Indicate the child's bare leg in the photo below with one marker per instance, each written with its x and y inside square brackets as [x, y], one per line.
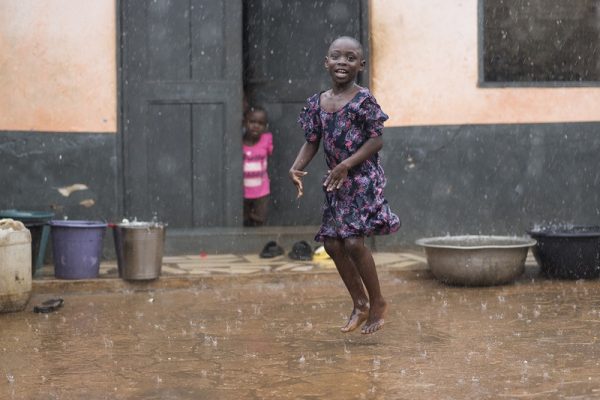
[363, 259]
[258, 211]
[351, 278]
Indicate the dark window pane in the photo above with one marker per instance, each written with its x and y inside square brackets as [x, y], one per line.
[541, 40]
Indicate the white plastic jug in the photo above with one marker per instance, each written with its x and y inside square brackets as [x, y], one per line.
[15, 265]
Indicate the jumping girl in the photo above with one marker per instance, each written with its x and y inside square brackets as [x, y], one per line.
[350, 122]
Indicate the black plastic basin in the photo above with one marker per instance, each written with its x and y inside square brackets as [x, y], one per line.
[568, 252]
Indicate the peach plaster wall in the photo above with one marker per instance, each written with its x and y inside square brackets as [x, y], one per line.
[425, 71]
[58, 65]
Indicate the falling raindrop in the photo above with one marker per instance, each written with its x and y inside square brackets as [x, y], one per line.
[107, 342]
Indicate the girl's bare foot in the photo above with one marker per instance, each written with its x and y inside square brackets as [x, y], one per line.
[376, 318]
[356, 319]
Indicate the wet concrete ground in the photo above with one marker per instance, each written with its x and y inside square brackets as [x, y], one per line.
[275, 336]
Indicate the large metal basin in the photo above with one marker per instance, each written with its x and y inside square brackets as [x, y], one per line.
[476, 260]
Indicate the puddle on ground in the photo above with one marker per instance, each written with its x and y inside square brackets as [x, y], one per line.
[279, 339]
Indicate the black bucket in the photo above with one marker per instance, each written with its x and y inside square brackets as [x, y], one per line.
[568, 252]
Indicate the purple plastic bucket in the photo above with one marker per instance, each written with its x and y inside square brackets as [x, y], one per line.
[77, 248]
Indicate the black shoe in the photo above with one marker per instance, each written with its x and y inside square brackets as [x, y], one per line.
[271, 249]
[301, 251]
[49, 306]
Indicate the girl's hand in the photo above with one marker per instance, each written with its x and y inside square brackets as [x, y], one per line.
[336, 177]
[296, 177]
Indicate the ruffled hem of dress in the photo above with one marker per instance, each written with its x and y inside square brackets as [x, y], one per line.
[374, 231]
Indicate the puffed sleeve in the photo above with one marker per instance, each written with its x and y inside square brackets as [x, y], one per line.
[310, 121]
[372, 117]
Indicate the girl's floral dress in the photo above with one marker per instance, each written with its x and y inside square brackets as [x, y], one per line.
[358, 208]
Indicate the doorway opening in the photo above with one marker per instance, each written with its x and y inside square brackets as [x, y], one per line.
[284, 45]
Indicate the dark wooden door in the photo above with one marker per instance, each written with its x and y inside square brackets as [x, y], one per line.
[181, 110]
[285, 46]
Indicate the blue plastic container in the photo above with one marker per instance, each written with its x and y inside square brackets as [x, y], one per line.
[77, 248]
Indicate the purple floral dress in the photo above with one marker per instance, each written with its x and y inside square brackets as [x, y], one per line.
[358, 208]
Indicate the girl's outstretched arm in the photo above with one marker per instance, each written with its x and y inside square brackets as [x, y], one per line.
[337, 175]
[305, 155]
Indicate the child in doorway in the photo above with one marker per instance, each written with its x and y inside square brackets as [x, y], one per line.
[350, 122]
[257, 147]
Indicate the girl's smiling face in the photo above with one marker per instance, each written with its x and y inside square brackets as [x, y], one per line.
[344, 60]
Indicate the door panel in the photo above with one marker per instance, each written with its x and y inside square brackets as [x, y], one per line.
[168, 162]
[182, 96]
[168, 40]
[208, 162]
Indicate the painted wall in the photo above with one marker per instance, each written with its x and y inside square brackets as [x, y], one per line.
[425, 71]
[58, 76]
[58, 65]
[490, 179]
[462, 159]
[450, 167]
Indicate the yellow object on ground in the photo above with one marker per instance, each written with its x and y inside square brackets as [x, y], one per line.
[321, 254]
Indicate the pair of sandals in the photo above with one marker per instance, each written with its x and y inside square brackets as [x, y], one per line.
[301, 251]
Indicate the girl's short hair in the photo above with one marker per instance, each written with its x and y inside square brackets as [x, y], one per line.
[354, 40]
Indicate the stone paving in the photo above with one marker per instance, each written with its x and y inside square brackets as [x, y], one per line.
[232, 264]
[243, 264]
[185, 271]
